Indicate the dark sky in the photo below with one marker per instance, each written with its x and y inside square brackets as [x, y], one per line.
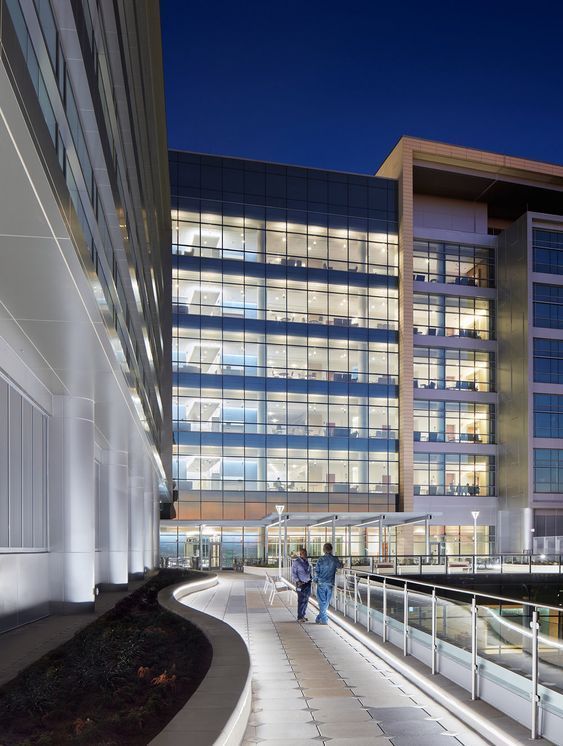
[335, 84]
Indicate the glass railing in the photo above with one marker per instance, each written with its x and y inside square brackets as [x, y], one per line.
[452, 384]
[450, 331]
[504, 651]
[452, 564]
[475, 281]
[441, 436]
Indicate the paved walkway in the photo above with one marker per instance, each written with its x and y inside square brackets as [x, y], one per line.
[314, 684]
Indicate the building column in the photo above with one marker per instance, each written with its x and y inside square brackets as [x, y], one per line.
[148, 550]
[114, 519]
[136, 511]
[156, 523]
[73, 509]
[362, 542]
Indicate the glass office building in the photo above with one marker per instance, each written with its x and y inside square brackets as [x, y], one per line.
[85, 373]
[351, 347]
[285, 339]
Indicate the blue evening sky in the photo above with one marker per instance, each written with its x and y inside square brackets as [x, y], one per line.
[335, 84]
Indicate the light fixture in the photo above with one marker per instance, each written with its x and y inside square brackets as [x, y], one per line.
[280, 509]
[323, 523]
[475, 514]
[371, 520]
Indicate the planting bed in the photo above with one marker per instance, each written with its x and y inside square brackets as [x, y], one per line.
[117, 681]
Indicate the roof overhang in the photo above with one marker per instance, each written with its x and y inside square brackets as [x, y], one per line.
[312, 520]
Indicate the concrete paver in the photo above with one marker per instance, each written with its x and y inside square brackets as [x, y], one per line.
[315, 684]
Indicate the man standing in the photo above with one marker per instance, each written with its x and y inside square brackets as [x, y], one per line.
[325, 572]
[301, 576]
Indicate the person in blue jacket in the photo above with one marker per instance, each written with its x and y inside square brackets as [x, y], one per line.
[302, 577]
[325, 572]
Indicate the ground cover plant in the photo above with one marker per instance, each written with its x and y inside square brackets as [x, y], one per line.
[117, 681]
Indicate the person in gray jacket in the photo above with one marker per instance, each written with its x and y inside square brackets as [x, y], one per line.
[302, 577]
[325, 572]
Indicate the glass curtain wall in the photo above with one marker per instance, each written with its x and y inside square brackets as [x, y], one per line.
[451, 316]
[461, 370]
[453, 264]
[453, 474]
[453, 422]
[285, 339]
[445, 313]
[188, 545]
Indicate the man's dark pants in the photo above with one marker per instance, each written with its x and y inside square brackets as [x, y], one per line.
[303, 599]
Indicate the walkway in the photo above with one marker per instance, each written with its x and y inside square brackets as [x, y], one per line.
[314, 684]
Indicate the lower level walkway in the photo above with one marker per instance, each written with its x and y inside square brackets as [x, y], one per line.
[315, 684]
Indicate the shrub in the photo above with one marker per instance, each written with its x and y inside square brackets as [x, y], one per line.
[117, 681]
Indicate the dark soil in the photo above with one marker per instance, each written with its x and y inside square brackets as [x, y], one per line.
[118, 681]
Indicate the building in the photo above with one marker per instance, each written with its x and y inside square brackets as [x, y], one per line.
[366, 351]
[85, 378]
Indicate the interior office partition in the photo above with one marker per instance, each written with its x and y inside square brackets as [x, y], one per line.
[85, 374]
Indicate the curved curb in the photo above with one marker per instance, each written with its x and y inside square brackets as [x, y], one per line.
[218, 711]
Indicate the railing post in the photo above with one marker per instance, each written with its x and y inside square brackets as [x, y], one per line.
[355, 598]
[368, 605]
[530, 564]
[405, 620]
[334, 592]
[420, 564]
[474, 668]
[447, 564]
[384, 627]
[434, 624]
[535, 698]
[501, 563]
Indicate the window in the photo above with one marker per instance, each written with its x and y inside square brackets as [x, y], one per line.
[548, 306]
[548, 361]
[453, 474]
[304, 243]
[209, 293]
[460, 370]
[450, 316]
[453, 422]
[548, 416]
[548, 251]
[548, 470]
[454, 264]
[285, 413]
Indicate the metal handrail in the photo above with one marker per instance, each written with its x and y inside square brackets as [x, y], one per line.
[473, 594]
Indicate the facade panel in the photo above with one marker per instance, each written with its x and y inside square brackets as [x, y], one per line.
[85, 369]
